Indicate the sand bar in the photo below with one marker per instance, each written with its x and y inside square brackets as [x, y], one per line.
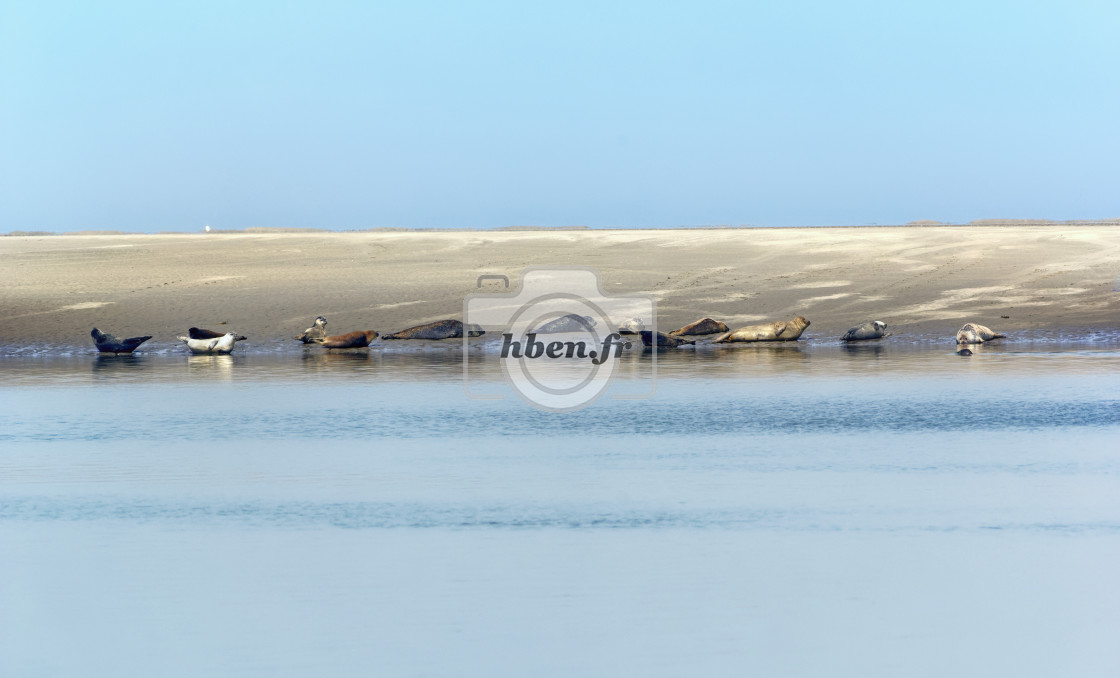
[921, 280]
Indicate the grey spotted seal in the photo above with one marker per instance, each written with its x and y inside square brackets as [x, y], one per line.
[107, 343]
[875, 329]
[440, 329]
[196, 333]
[700, 327]
[318, 330]
[663, 340]
[780, 330]
[220, 345]
[567, 323]
[632, 326]
[359, 339]
[972, 333]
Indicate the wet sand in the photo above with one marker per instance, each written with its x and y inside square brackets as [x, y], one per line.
[921, 280]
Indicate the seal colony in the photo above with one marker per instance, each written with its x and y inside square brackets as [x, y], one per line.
[204, 341]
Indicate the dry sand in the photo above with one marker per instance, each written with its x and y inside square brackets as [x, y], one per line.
[920, 280]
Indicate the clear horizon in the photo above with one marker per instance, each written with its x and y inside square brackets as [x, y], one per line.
[347, 116]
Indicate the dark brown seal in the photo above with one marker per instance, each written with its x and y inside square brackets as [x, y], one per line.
[196, 333]
[349, 340]
[107, 343]
[440, 329]
[663, 340]
[700, 327]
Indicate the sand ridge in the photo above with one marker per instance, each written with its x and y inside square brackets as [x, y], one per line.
[271, 285]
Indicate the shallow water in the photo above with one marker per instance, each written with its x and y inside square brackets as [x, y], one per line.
[787, 510]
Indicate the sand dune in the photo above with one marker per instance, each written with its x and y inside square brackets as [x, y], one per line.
[271, 285]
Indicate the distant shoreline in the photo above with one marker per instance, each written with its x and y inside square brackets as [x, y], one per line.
[394, 229]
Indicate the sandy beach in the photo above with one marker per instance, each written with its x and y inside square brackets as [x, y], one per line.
[920, 280]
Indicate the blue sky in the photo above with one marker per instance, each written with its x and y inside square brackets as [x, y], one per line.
[167, 116]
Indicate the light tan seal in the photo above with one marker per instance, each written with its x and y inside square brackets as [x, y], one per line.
[781, 330]
[972, 333]
[318, 330]
[349, 340]
[700, 327]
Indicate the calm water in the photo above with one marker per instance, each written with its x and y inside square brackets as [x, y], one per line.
[776, 511]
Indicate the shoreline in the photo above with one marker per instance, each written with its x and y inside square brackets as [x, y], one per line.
[925, 280]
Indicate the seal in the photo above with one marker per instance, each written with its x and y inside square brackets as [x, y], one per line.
[632, 326]
[874, 329]
[318, 330]
[972, 333]
[349, 340]
[215, 346]
[780, 330]
[566, 323]
[964, 352]
[663, 340]
[700, 327]
[440, 329]
[196, 333]
[107, 343]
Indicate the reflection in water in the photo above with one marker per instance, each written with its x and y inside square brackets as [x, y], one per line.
[718, 360]
[108, 364]
[339, 356]
[862, 350]
[211, 366]
[704, 361]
